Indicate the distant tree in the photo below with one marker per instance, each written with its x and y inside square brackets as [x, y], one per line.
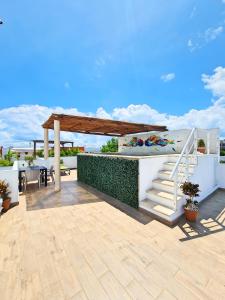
[111, 146]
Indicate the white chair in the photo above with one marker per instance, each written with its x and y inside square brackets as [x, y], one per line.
[32, 175]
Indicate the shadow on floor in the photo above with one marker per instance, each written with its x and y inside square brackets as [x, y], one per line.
[211, 218]
[76, 193]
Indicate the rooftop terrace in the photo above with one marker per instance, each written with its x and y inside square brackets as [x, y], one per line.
[80, 244]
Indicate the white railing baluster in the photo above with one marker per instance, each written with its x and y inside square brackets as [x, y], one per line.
[191, 143]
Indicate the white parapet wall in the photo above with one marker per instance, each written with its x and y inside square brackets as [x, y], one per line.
[220, 174]
[148, 171]
[68, 161]
[10, 175]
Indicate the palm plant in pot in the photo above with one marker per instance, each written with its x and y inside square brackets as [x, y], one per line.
[4, 194]
[191, 208]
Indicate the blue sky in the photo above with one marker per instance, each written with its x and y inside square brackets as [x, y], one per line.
[109, 55]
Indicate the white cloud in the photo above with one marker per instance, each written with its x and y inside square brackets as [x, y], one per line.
[216, 82]
[193, 12]
[203, 38]
[23, 123]
[168, 77]
[212, 33]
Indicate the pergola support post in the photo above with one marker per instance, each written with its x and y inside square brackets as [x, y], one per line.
[57, 155]
[45, 143]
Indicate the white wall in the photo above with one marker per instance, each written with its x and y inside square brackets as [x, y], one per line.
[221, 175]
[69, 161]
[205, 174]
[10, 175]
[148, 171]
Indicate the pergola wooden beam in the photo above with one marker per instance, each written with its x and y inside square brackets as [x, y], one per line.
[90, 125]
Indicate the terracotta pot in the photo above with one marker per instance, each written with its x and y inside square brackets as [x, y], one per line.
[6, 204]
[201, 150]
[191, 215]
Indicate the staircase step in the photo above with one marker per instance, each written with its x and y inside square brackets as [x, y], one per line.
[169, 166]
[165, 185]
[157, 209]
[162, 197]
[174, 158]
[165, 174]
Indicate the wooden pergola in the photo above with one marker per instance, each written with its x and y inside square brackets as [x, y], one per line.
[87, 125]
[97, 126]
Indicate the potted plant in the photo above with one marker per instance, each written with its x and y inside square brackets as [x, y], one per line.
[4, 194]
[191, 207]
[201, 146]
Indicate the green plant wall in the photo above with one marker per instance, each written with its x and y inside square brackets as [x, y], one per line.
[117, 177]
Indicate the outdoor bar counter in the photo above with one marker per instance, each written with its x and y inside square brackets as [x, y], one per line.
[113, 174]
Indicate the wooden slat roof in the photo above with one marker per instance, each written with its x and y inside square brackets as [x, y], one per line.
[89, 125]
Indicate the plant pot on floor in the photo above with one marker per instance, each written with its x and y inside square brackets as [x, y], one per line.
[201, 150]
[6, 204]
[190, 215]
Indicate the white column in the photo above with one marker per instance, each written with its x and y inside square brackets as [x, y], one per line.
[57, 155]
[45, 143]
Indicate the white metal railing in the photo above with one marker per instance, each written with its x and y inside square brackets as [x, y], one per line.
[183, 163]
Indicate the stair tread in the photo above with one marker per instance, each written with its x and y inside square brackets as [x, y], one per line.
[147, 204]
[173, 164]
[163, 194]
[164, 181]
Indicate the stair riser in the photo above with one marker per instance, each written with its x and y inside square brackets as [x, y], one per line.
[174, 159]
[180, 168]
[160, 200]
[165, 188]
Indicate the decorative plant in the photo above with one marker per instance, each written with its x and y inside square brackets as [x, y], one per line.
[30, 160]
[201, 143]
[111, 146]
[191, 190]
[4, 190]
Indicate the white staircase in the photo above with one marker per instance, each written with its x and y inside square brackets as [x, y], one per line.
[165, 199]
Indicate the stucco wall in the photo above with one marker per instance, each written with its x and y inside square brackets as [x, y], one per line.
[148, 171]
[10, 175]
[221, 175]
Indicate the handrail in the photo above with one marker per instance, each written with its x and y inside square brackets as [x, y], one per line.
[182, 153]
[185, 152]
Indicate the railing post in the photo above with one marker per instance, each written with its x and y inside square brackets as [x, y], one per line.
[186, 165]
[175, 190]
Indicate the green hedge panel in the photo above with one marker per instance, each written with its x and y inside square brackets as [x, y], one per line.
[117, 177]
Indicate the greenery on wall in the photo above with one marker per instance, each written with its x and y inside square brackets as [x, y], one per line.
[63, 152]
[111, 146]
[222, 152]
[116, 177]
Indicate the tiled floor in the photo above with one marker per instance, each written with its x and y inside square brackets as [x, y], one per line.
[75, 245]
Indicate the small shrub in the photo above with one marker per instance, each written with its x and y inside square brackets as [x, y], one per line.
[5, 163]
[201, 143]
[222, 152]
[191, 190]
